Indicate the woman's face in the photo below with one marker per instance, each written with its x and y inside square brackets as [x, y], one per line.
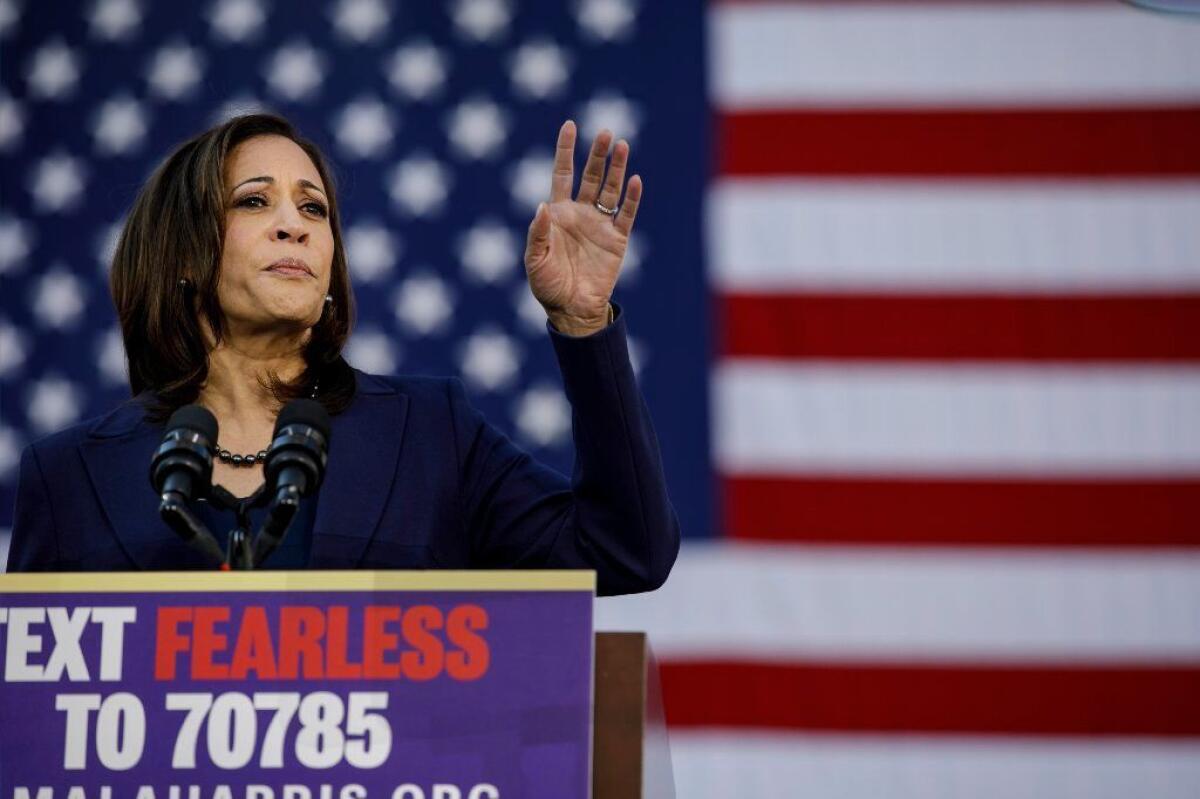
[277, 255]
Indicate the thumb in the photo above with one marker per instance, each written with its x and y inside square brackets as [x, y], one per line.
[539, 228]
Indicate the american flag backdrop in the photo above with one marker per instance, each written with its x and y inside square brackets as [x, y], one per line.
[915, 302]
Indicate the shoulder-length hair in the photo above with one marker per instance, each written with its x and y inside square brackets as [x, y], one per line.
[166, 268]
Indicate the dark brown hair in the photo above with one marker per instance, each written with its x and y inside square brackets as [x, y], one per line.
[167, 263]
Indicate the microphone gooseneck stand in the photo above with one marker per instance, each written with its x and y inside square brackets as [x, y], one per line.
[275, 526]
[240, 553]
[181, 471]
[244, 551]
[179, 517]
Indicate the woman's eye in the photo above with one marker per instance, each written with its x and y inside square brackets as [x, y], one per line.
[258, 201]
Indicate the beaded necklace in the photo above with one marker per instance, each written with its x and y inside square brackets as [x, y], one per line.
[252, 459]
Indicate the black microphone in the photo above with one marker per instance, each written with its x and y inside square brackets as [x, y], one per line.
[181, 471]
[296, 459]
[295, 467]
[183, 463]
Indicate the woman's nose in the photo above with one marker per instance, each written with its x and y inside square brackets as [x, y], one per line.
[289, 225]
[297, 232]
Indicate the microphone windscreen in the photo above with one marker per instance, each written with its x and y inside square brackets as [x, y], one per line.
[197, 418]
[304, 411]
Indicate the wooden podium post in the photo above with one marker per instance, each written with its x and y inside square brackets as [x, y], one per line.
[631, 758]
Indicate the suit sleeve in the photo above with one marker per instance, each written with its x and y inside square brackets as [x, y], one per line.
[34, 544]
[613, 515]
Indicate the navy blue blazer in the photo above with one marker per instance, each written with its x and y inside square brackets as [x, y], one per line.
[416, 479]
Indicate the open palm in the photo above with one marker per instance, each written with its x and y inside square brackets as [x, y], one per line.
[574, 250]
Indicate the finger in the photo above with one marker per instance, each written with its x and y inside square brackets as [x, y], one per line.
[593, 171]
[610, 195]
[564, 163]
[629, 208]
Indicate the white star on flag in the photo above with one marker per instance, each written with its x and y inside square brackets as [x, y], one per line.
[174, 71]
[372, 350]
[16, 241]
[423, 303]
[13, 347]
[529, 311]
[638, 354]
[115, 20]
[606, 20]
[417, 70]
[529, 180]
[540, 69]
[53, 403]
[236, 21]
[361, 20]
[610, 110]
[120, 126]
[110, 357]
[488, 251]
[53, 72]
[477, 128]
[489, 360]
[237, 106]
[482, 20]
[372, 250]
[12, 122]
[56, 183]
[9, 14]
[58, 298]
[364, 128]
[295, 71]
[10, 451]
[543, 415]
[107, 239]
[419, 185]
[635, 253]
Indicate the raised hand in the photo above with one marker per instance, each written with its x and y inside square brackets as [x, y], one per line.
[574, 250]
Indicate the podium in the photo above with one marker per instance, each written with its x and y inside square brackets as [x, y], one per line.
[322, 685]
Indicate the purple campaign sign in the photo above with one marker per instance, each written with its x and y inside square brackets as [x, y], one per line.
[301, 685]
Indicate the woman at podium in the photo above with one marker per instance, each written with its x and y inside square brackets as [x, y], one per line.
[231, 285]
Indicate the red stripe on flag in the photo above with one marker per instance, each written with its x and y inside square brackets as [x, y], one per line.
[960, 512]
[991, 142]
[954, 326]
[947, 698]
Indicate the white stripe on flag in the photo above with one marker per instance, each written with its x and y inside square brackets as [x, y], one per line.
[781, 603]
[961, 54]
[960, 235]
[776, 417]
[712, 765]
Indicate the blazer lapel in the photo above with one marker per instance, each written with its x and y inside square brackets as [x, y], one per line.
[117, 455]
[364, 451]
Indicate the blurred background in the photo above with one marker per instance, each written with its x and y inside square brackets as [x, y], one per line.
[915, 301]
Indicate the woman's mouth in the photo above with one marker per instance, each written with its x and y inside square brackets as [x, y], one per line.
[290, 267]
